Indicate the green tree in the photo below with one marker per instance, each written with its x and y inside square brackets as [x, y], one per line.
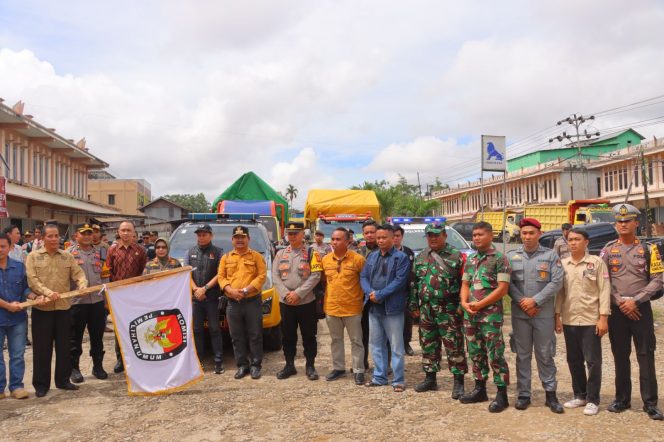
[196, 203]
[291, 194]
[401, 198]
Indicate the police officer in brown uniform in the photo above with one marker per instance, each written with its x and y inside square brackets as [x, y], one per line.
[296, 272]
[635, 270]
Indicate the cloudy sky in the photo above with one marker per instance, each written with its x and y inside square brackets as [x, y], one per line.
[190, 95]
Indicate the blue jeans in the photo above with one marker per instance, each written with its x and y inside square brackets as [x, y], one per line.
[383, 328]
[16, 340]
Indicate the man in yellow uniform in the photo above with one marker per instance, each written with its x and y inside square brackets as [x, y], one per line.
[241, 275]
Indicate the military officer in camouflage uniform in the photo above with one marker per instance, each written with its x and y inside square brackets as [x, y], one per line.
[485, 281]
[296, 272]
[435, 296]
[635, 271]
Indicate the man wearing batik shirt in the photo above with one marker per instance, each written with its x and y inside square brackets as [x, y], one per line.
[125, 259]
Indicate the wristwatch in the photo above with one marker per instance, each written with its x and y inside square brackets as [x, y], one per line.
[245, 292]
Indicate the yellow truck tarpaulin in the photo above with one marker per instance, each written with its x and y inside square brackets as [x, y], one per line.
[351, 202]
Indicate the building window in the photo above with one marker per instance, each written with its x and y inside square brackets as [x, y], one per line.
[650, 173]
[171, 212]
[14, 162]
[555, 188]
[636, 176]
[35, 169]
[111, 199]
[7, 160]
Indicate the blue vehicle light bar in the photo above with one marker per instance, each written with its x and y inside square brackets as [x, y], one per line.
[416, 219]
[228, 217]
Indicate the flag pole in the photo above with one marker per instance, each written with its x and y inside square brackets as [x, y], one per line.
[109, 285]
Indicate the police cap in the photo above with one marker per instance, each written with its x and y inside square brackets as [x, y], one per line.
[294, 227]
[240, 231]
[625, 212]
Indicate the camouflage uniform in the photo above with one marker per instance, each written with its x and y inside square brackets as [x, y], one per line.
[484, 333]
[436, 295]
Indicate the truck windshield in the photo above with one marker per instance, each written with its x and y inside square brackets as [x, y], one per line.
[327, 227]
[270, 224]
[602, 217]
[184, 238]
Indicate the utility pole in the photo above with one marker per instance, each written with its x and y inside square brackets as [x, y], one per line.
[419, 186]
[645, 178]
[576, 121]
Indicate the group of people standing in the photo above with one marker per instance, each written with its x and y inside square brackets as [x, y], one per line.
[371, 294]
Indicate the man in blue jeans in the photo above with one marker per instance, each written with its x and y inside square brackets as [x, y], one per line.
[384, 281]
[13, 320]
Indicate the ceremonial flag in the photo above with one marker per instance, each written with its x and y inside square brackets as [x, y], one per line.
[153, 324]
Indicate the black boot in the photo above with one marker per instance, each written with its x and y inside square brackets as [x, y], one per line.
[76, 376]
[500, 402]
[552, 402]
[119, 366]
[428, 384]
[477, 395]
[457, 389]
[98, 368]
[288, 370]
[312, 375]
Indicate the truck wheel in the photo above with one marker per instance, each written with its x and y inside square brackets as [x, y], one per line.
[272, 338]
[506, 237]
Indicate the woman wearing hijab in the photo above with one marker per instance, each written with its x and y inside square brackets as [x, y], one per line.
[163, 261]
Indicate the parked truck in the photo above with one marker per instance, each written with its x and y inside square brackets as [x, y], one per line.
[550, 216]
[325, 210]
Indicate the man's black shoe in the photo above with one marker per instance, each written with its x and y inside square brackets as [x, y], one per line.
[255, 372]
[76, 376]
[409, 350]
[288, 371]
[457, 388]
[241, 372]
[522, 402]
[40, 393]
[119, 367]
[334, 375]
[428, 384]
[311, 373]
[653, 412]
[68, 386]
[359, 378]
[477, 395]
[500, 403]
[99, 372]
[218, 368]
[552, 402]
[619, 406]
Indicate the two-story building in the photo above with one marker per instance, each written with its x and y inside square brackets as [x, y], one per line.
[46, 173]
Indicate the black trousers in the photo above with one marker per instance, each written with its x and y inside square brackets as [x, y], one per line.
[303, 316]
[92, 316]
[202, 310]
[245, 320]
[622, 331]
[49, 328]
[407, 327]
[365, 333]
[584, 347]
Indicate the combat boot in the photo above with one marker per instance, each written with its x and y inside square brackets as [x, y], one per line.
[552, 402]
[477, 395]
[76, 376]
[500, 403]
[98, 368]
[457, 389]
[428, 384]
[288, 370]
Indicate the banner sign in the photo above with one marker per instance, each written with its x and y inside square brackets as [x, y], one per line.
[153, 324]
[3, 198]
[494, 153]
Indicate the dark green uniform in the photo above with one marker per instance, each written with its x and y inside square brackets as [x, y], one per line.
[436, 295]
[484, 332]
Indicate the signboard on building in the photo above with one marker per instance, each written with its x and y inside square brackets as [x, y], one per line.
[494, 154]
[3, 198]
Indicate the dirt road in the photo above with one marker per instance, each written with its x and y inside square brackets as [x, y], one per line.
[221, 408]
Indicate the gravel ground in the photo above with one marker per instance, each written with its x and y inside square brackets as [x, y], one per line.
[221, 408]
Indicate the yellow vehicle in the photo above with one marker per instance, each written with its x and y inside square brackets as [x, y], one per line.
[505, 232]
[574, 212]
[326, 210]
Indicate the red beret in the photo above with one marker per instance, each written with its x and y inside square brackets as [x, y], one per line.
[530, 222]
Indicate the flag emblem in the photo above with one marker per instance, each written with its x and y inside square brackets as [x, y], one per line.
[158, 335]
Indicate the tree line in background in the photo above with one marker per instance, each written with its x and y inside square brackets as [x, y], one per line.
[395, 199]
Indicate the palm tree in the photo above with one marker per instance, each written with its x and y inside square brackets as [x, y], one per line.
[291, 194]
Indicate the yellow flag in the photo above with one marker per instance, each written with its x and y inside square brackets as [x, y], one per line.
[317, 266]
[655, 260]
